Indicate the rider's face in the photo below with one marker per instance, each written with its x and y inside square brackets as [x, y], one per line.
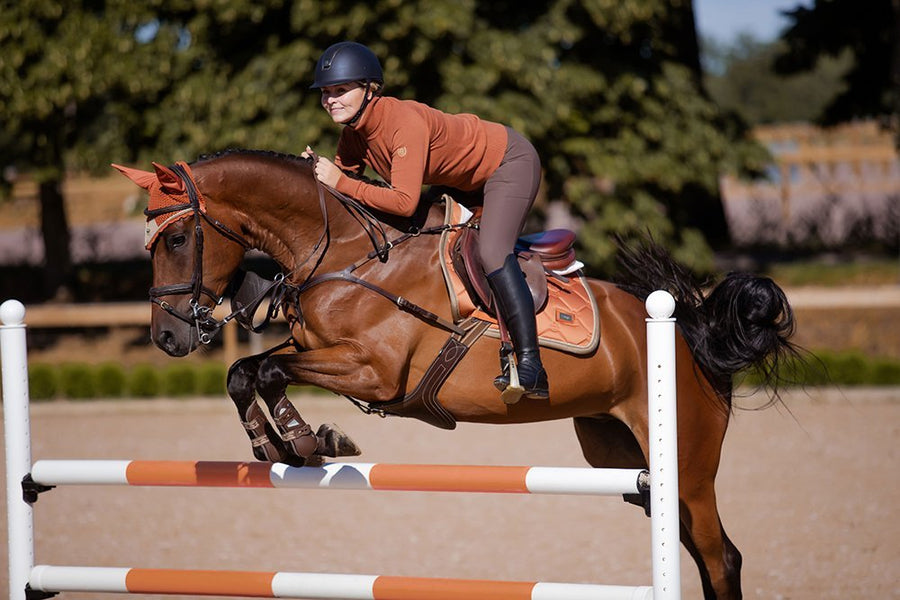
[342, 101]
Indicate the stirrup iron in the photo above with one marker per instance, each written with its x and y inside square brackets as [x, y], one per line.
[513, 391]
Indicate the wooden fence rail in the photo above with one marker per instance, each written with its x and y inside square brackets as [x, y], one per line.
[137, 314]
[123, 314]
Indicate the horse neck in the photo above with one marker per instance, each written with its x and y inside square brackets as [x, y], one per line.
[278, 208]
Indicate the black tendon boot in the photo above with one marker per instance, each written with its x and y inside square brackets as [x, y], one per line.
[516, 307]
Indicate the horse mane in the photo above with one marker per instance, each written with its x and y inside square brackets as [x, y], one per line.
[370, 219]
[282, 156]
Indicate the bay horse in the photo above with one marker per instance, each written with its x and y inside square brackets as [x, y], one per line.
[346, 271]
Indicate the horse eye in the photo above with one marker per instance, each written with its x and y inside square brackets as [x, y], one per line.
[176, 241]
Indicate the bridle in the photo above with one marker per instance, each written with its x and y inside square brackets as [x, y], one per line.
[200, 317]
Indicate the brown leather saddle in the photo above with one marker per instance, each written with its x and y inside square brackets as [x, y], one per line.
[539, 255]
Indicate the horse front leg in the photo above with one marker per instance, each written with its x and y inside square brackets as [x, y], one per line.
[303, 446]
[241, 385]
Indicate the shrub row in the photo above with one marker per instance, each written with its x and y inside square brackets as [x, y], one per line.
[110, 380]
[79, 381]
[826, 367]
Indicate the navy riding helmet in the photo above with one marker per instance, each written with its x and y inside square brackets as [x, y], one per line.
[347, 61]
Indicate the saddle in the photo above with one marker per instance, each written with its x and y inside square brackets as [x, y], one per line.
[566, 311]
[540, 256]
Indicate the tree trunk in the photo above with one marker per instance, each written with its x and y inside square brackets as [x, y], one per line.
[685, 37]
[704, 211]
[58, 272]
[895, 73]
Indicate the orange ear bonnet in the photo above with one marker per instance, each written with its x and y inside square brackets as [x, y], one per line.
[167, 190]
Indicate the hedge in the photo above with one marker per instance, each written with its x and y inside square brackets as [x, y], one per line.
[110, 381]
[77, 381]
[826, 367]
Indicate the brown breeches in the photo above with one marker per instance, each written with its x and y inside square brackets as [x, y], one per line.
[508, 196]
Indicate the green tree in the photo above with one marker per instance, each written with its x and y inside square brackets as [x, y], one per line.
[615, 104]
[74, 81]
[744, 81]
[871, 33]
[609, 91]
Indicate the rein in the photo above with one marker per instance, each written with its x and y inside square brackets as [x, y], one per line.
[401, 302]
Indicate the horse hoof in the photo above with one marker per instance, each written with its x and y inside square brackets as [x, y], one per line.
[296, 461]
[316, 460]
[334, 442]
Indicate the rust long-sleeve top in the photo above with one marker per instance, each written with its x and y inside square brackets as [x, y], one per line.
[410, 144]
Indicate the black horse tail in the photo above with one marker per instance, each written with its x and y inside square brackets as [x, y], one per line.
[743, 322]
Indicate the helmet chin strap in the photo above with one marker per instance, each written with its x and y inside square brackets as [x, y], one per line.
[365, 103]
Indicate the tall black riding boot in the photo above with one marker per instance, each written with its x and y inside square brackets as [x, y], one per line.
[516, 307]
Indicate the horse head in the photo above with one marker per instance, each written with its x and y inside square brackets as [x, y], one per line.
[194, 256]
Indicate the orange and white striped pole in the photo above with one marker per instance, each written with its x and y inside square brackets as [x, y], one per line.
[360, 476]
[314, 585]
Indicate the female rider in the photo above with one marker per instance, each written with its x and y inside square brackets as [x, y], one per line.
[410, 144]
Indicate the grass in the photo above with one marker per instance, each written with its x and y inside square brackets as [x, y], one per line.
[827, 367]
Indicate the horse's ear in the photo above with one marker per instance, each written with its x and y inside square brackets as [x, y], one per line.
[170, 182]
[143, 178]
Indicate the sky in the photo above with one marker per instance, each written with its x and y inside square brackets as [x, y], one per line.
[725, 19]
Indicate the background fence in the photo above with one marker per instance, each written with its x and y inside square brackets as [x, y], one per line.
[826, 187]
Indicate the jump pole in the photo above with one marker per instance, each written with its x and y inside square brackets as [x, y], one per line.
[320, 586]
[572, 481]
[665, 523]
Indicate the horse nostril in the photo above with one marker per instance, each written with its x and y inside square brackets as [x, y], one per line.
[164, 339]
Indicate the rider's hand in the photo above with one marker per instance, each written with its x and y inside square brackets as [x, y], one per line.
[327, 172]
[306, 153]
